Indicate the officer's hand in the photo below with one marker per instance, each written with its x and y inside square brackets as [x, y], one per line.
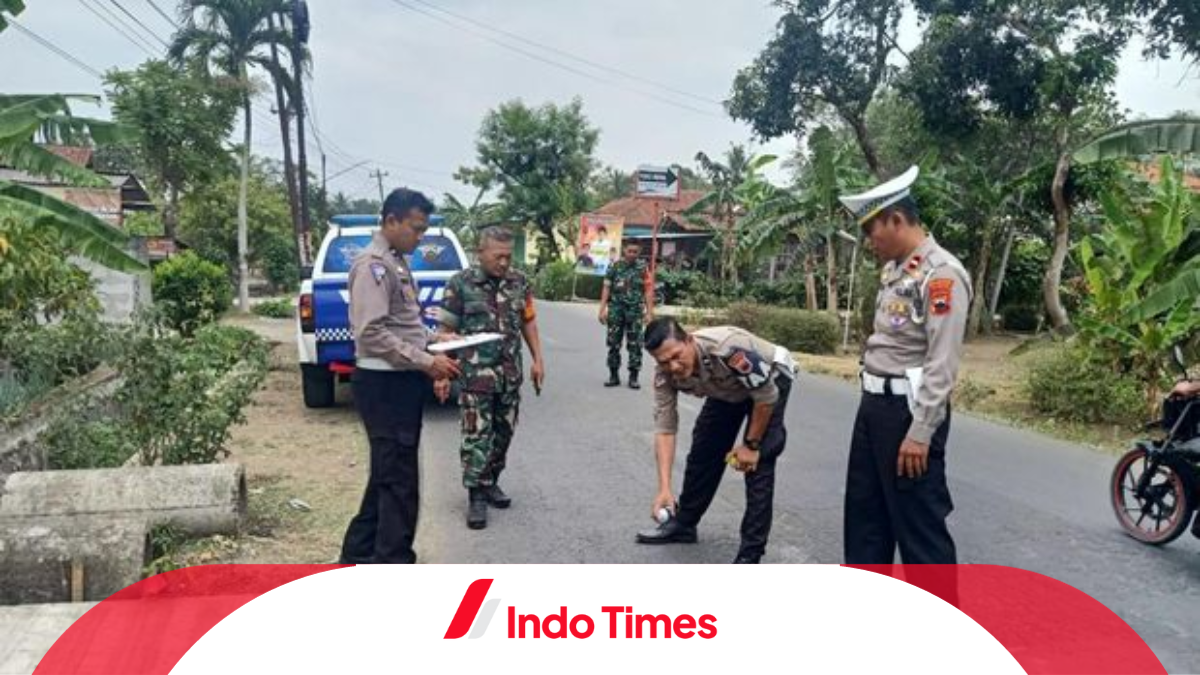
[446, 337]
[914, 459]
[444, 368]
[604, 314]
[537, 373]
[664, 500]
[441, 389]
[744, 459]
[1185, 389]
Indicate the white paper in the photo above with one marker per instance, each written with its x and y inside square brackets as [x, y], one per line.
[469, 341]
[913, 375]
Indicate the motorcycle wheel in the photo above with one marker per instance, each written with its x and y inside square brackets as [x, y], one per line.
[1163, 510]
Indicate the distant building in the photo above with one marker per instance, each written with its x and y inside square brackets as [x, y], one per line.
[680, 239]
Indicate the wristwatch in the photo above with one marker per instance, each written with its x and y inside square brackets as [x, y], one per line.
[753, 444]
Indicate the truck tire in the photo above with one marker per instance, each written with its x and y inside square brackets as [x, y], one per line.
[318, 386]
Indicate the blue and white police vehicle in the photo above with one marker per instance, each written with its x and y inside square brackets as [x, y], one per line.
[323, 335]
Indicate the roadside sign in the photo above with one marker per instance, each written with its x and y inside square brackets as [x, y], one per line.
[657, 182]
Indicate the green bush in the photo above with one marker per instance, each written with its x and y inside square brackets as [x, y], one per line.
[796, 329]
[191, 291]
[59, 352]
[554, 281]
[277, 259]
[279, 308]
[1022, 318]
[588, 286]
[1069, 384]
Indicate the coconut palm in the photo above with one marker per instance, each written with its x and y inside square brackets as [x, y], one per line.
[234, 38]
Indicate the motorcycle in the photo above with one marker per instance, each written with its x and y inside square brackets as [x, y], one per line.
[1154, 487]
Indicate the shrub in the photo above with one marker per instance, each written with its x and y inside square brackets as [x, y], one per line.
[279, 308]
[277, 259]
[1022, 318]
[56, 353]
[1069, 384]
[796, 329]
[589, 286]
[554, 281]
[191, 291]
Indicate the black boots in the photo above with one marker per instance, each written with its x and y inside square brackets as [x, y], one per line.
[633, 381]
[614, 379]
[496, 497]
[477, 504]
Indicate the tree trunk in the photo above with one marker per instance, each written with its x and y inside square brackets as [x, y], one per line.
[243, 226]
[285, 133]
[998, 286]
[773, 268]
[866, 145]
[1062, 238]
[979, 300]
[831, 284]
[171, 215]
[810, 283]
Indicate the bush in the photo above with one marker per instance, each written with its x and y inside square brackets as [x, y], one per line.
[796, 329]
[191, 291]
[277, 259]
[589, 286]
[279, 308]
[1069, 384]
[554, 281]
[56, 353]
[1022, 318]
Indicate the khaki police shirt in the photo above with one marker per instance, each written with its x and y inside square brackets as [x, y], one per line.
[385, 314]
[920, 320]
[734, 365]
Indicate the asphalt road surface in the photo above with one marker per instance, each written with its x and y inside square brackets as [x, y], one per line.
[581, 474]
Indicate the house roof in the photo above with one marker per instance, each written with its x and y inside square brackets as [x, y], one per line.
[77, 155]
[641, 212]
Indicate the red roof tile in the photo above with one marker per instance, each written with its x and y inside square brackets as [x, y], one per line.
[79, 156]
[641, 212]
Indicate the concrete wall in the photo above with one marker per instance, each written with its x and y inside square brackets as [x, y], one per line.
[120, 294]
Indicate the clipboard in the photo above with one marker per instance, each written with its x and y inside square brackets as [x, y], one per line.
[469, 341]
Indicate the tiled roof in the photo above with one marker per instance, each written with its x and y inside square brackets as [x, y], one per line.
[79, 156]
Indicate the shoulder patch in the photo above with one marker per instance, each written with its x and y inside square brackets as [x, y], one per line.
[751, 369]
[378, 271]
[941, 291]
[660, 379]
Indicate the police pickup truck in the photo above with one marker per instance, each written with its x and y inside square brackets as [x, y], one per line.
[323, 335]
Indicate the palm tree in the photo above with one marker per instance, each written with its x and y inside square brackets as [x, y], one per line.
[722, 205]
[466, 220]
[27, 119]
[234, 37]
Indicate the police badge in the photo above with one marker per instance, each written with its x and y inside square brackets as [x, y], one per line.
[379, 271]
[754, 372]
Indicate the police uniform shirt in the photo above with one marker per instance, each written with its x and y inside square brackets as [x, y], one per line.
[385, 314]
[920, 320]
[733, 365]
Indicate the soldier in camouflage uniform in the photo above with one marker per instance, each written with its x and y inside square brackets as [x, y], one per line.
[624, 304]
[490, 298]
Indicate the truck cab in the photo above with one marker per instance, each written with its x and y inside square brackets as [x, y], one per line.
[323, 336]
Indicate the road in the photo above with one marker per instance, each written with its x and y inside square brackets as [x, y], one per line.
[581, 474]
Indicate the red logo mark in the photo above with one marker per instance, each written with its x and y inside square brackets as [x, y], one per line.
[468, 609]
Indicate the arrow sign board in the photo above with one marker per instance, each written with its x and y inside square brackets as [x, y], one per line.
[657, 182]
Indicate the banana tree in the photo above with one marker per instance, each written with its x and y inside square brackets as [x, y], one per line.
[24, 121]
[733, 181]
[1139, 139]
[1144, 292]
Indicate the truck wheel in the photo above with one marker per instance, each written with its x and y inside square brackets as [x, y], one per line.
[318, 386]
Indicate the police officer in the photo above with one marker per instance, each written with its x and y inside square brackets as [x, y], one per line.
[740, 376]
[624, 301]
[896, 492]
[390, 382]
[491, 298]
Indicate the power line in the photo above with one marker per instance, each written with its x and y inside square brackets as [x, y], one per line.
[569, 55]
[114, 26]
[555, 64]
[55, 48]
[166, 17]
[146, 45]
[139, 22]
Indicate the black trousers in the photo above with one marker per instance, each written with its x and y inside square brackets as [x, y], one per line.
[714, 435]
[391, 405]
[884, 510]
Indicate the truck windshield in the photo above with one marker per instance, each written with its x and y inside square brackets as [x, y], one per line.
[435, 253]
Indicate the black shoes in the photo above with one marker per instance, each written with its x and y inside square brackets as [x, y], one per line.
[496, 497]
[614, 379]
[477, 508]
[670, 532]
[633, 381]
[743, 559]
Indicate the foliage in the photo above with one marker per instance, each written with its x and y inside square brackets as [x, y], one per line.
[37, 281]
[144, 224]
[1143, 293]
[1143, 139]
[588, 286]
[61, 351]
[178, 400]
[466, 220]
[279, 308]
[275, 256]
[1022, 318]
[182, 120]
[538, 158]
[825, 54]
[1071, 384]
[191, 291]
[1168, 24]
[554, 281]
[25, 120]
[796, 329]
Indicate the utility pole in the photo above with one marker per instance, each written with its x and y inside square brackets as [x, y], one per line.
[300, 29]
[378, 175]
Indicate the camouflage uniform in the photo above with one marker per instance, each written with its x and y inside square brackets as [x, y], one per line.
[492, 373]
[626, 311]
